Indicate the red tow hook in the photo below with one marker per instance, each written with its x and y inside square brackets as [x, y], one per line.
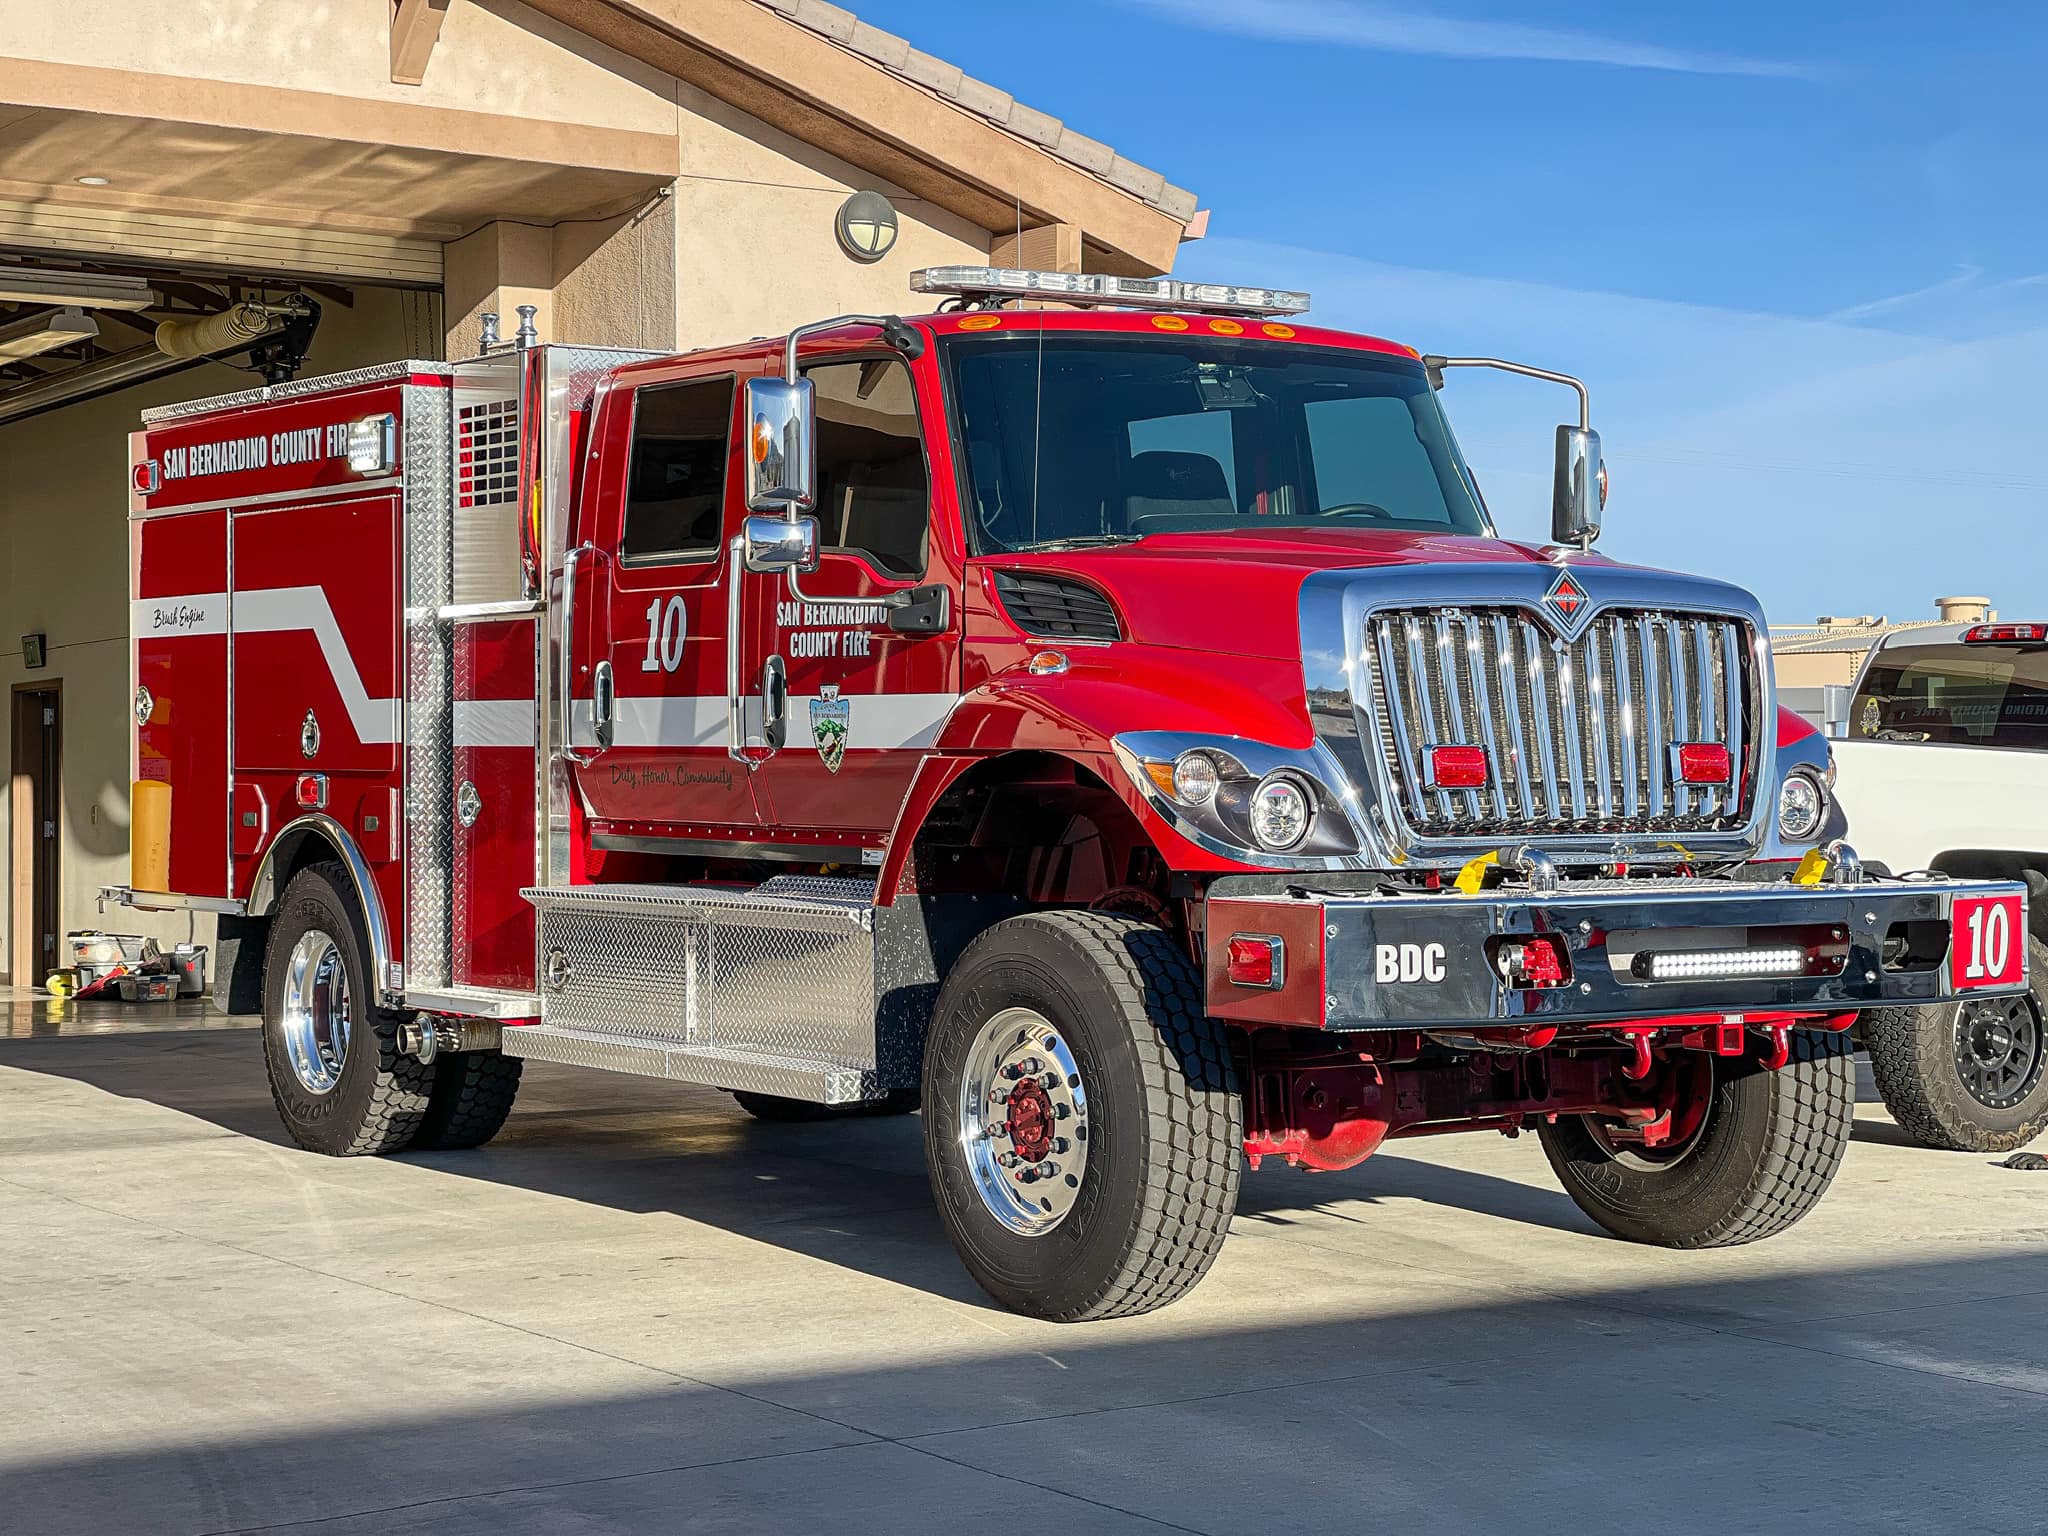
[1638, 1066]
[1780, 1050]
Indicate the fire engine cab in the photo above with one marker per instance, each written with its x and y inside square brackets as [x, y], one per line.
[1119, 730]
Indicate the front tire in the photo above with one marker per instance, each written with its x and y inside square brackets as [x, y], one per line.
[1769, 1147]
[1107, 1185]
[1969, 1076]
[341, 1084]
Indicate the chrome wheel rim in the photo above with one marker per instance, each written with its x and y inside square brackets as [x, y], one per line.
[1024, 1122]
[316, 1011]
[1999, 1052]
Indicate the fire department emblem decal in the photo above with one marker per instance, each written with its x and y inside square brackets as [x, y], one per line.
[831, 717]
[1567, 605]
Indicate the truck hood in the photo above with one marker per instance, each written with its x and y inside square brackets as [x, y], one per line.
[1240, 591]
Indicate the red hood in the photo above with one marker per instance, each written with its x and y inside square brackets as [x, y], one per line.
[1239, 592]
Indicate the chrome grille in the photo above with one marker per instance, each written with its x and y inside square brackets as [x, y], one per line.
[1580, 736]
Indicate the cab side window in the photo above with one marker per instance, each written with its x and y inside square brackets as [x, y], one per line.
[873, 498]
[675, 494]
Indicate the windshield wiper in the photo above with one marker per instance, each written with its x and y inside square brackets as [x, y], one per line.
[1087, 541]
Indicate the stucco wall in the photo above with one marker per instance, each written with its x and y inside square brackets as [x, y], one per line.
[755, 252]
[494, 55]
[64, 572]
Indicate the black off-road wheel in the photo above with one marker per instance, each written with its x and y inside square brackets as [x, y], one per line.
[1766, 1150]
[473, 1093]
[341, 1084]
[1083, 1126]
[1969, 1076]
[766, 1106]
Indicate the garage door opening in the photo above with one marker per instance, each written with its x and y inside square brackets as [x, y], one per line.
[36, 762]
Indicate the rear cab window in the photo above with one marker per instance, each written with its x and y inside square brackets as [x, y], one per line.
[1960, 695]
[675, 490]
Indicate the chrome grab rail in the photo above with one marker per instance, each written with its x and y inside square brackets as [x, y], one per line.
[565, 658]
[735, 703]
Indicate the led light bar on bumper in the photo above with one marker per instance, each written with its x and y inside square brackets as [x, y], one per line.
[1707, 964]
[1101, 288]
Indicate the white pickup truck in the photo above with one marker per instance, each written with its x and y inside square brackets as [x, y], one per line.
[1945, 767]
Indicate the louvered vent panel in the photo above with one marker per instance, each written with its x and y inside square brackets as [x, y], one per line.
[1057, 607]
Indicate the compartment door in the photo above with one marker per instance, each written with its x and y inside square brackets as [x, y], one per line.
[495, 816]
[178, 628]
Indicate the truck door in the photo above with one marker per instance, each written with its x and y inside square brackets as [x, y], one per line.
[865, 701]
[647, 590]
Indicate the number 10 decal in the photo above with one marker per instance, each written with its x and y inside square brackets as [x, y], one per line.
[666, 627]
[1987, 947]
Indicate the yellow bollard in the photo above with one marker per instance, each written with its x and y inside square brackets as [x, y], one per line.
[149, 835]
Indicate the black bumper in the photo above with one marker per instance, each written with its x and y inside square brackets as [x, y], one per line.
[1877, 943]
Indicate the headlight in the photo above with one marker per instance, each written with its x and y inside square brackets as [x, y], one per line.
[1280, 812]
[1801, 806]
[1195, 778]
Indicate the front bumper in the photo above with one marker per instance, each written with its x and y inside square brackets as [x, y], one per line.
[1357, 960]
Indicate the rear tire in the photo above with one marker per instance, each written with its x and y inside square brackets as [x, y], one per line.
[1971, 1076]
[1117, 1081]
[766, 1106]
[1770, 1146]
[473, 1093]
[341, 1084]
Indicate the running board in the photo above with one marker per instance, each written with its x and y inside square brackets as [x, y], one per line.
[774, 989]
[783, 1077]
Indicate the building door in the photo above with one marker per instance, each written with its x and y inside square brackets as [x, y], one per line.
[32, 815]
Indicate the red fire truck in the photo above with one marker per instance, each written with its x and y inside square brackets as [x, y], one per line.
[1118, 729]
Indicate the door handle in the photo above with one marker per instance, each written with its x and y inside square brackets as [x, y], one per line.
[774, 703]
[603, 704]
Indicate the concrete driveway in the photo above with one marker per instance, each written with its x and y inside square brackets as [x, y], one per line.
[640, 1311]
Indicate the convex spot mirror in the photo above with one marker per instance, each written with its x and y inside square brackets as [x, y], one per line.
[782, 463]
[1579, 492]
[781, 543]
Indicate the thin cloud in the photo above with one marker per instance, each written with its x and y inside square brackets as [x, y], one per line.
[1962, 277]
[1396, 29]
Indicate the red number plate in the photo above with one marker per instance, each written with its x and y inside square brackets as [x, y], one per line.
[1988, 942]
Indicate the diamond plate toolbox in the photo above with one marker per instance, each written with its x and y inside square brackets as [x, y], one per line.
[786, 969]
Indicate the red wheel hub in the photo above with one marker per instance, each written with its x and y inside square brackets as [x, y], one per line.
[1030, 1122]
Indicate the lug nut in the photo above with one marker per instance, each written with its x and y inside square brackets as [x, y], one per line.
[1060, 1144]
[1047, 1169]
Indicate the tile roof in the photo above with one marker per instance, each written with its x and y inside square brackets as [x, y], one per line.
[950, 83]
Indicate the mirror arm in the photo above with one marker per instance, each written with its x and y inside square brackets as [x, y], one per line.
[1435, 366]
[898, 335]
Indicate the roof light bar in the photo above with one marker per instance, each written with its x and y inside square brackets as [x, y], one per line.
[986, 284]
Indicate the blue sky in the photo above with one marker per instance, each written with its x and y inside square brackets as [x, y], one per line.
[1799, 250]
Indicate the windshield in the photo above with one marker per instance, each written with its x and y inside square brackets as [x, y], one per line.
[1077, 438]
[1983, 695]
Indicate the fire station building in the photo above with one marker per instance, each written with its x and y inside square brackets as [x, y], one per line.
[199, 197]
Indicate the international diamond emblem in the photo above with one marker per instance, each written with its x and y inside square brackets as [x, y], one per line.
[1567, 604]
[831, 717]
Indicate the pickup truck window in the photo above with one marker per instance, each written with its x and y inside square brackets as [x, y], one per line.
[873, 495]
[1104, 439]
[1981, 695]
[675, 497]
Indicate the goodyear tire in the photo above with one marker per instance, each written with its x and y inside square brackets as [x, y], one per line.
[341, 1085]
[1083, 1128]
[766, 1106]
[1766, 1152]
[1967, 1077]
[472, 1095]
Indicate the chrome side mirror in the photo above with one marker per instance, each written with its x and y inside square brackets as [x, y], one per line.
[780, 543]
[1579, 491]
[782, 459]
